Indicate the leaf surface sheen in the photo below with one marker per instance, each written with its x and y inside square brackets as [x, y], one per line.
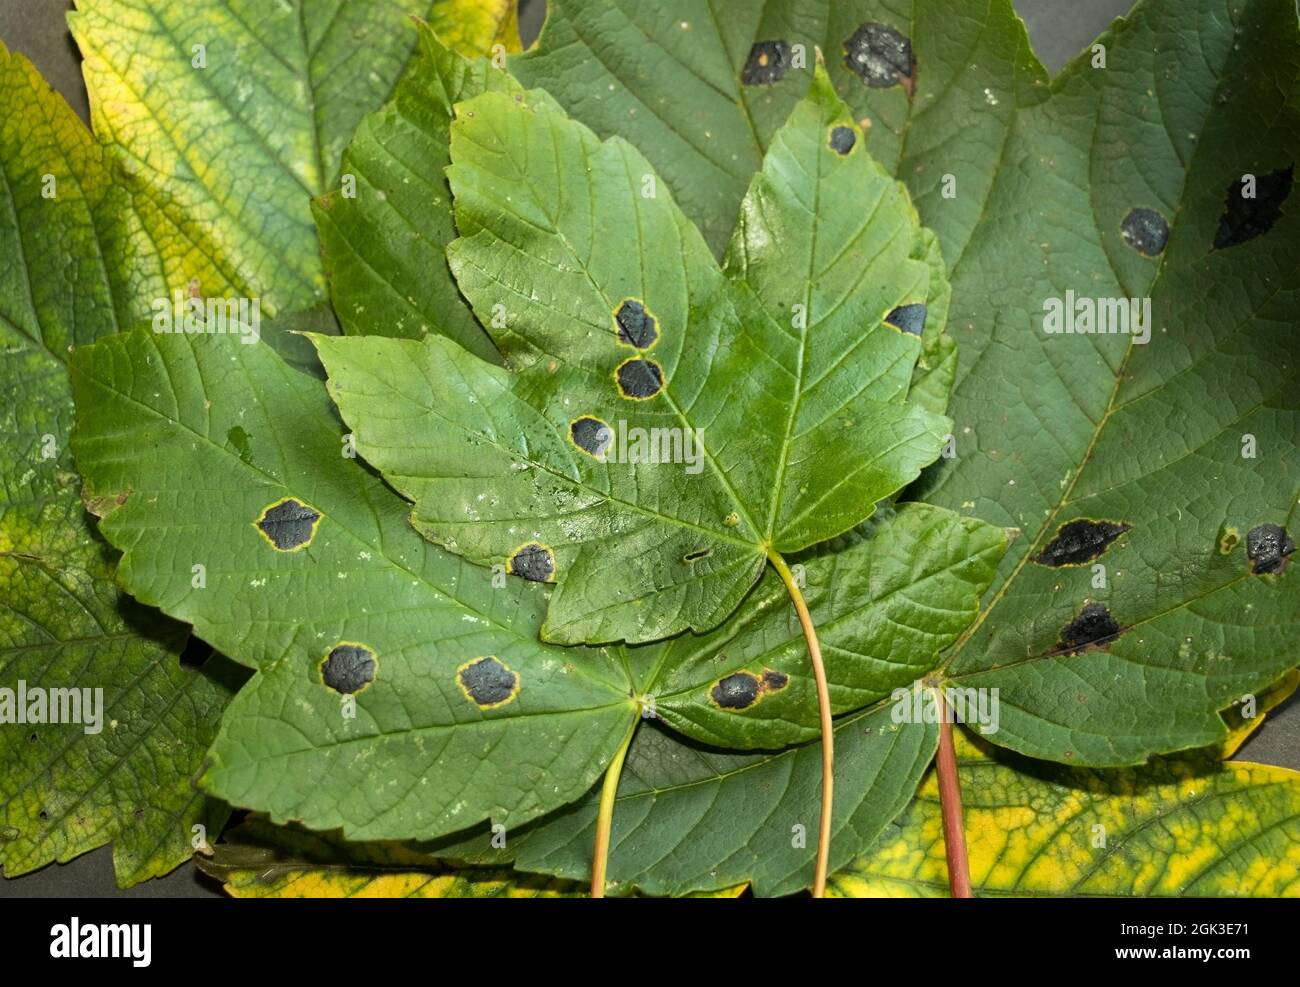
[1053, 430]
[426, 751]
[793, 385]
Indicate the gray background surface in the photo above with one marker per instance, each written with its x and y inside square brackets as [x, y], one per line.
[1057, 28]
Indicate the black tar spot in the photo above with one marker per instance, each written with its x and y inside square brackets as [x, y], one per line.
[768, 62]
[908, 318]
[591, 435]
[288, 524]
[1080, 541]
[487, 682]
[738, 691]
[1267, 547]
[348, 668]
[533, 561]
[843, 139]
[639, 379]
[1244, 219]
[1094, 627]
[880, 56]
[636, 326]
[774, 681]
[1145, 230]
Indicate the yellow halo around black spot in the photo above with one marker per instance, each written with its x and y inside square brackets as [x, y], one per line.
[532, 561]
[288, 524]
[349, 667]
[908, 318]
[591, 435]
[487, 682]
[842, 140]
[741, 690]
[639, 379]
[635, 325]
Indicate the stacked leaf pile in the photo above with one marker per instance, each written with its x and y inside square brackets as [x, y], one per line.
[594, 468]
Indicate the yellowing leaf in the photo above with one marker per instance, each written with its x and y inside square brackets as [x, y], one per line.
[122, 771]
[472, 27]
[227, 117]
[259, 860]
[1177, 827]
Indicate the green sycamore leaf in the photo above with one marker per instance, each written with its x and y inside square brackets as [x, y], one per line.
[1184, 826]
[71, 648]
[399, 693]
[1187, 441]
[339, 589]
[385, 244]
[701, 88]
[884, 607]
[688, 817]
[224, 118]
[780, 374]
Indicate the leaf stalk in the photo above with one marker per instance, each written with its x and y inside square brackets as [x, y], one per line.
[605, 814]
[954, 829]
[824, 715]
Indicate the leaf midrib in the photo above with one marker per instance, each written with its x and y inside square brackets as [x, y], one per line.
[1064, 500]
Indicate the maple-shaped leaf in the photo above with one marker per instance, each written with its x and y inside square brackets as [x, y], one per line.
[1153, 473]
[781, 378]
[101, 728]
[404, 693]
[1181, 826]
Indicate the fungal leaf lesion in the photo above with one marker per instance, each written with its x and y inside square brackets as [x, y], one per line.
[349, 667]
[1080, 541]
[488, 682]
[288, 524]
[1093, 628]
[1268, 546]
[743, 689]
[532, 561]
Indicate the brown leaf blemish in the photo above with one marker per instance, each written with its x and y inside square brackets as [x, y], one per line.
[1145, 230]
[909, 318]
[591, 435]
[741, 690]
[639, 379]
[768, 62]
[842, 140]
[636, 325]
[1244, 219]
